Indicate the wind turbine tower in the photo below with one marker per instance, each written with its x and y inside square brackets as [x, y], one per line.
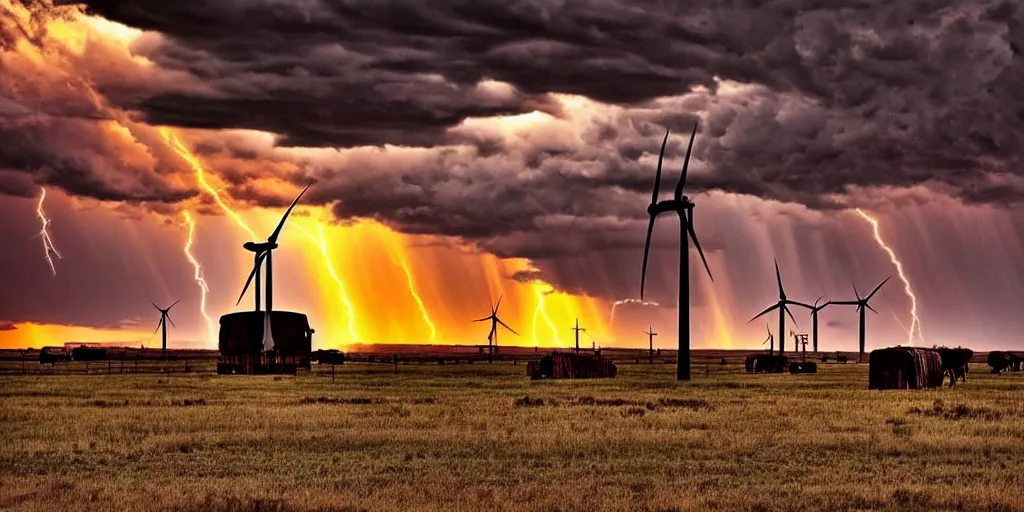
[492, 336]
[165, 316]
[577, 330]
[650, 341]
[682, 206]
[862, 305]
[781, 305]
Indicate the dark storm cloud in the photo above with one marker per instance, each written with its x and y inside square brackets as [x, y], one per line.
[8, 326]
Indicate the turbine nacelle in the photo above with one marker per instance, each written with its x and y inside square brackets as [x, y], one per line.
[258, 247]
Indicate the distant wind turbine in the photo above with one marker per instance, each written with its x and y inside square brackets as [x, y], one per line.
[577, 331]
[862, 304]
[770, 340]
[781, 305]
[492, 336]
[165, 316]
[683, 207]
[650, 341]
[814, 321]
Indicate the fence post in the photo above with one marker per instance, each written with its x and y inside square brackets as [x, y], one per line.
[108, 366]
[122, 363]
[23, 371]
[332, 372]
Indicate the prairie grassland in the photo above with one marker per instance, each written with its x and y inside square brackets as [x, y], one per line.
[484, 437]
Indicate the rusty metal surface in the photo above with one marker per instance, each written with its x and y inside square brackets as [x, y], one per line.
[904, 368]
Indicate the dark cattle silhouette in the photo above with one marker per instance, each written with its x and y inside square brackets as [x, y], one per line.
[1004, 361]
[954, 363]
[571, 366]
[904, 368]
[766, 363]
[803, 367]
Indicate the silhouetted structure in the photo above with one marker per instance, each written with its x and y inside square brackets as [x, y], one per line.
[904, 368]
[332, 356]
[165, 316]
[240, 351]
[492, 336]
[571, 366]
[814, 322]
[53, 355]
[862, 304]
[766, 363]
[954, 362]
[781, 305]
[576, 330]
[683, 207]
[84, 353]
[241, 343]
[650, 342]
[265, 251]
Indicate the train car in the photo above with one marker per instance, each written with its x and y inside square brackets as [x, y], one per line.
[245, 350]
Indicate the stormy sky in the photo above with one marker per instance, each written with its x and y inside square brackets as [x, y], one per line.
[531, 130]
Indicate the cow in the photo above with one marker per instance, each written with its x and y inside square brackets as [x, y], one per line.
[954, 363]
[1000, 361]
[766, 363]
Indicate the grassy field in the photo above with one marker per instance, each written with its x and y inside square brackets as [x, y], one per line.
[484, 437]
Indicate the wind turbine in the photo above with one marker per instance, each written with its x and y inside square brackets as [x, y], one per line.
[683, 207]
[650, 340]
[492, 336]
[770, 340]
[264, 251]
[862, 304]
[814, 321]
[165, 316]
[577, 329]
[781, 305]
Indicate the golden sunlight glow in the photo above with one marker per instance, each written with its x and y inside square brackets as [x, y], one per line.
[33, 335]
[49, 250]
[321, 243]
[915, 323]
[204, 289]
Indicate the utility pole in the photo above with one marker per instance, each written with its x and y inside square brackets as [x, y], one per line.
[578, 329]
[650, 341]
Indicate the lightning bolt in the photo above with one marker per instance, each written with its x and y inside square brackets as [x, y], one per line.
[915, 323]
[186, 155]
[321, 242]
[419, 301]
[198, 274]
[44, 233]
[542, 312]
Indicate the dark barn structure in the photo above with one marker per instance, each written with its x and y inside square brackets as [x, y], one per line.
[766, 363]
[241, 343]
[904, 368]
[571, 366]
[84, 353]
[53, 355]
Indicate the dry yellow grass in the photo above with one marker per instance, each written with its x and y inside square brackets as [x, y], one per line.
[467, 438]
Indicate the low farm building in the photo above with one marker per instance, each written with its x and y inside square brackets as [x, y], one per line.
[242, 348]
[904, 368]
[571, 366]
[766, 363]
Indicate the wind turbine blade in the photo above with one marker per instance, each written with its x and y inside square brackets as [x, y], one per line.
[498, 305]
[871, 308]
[873, 292]
[255, 269]
[686, 164]
[172, 305]
[769, 310]
[155, 306]
[158, 325]
[790, 313]
[818, 300]
[171, 320]
[855, 291]
[277, 231]
[647, 250]
[507, 327]
[481, 319]
[657, 174]
[778, 277]
[801, 304]
[696, 244]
